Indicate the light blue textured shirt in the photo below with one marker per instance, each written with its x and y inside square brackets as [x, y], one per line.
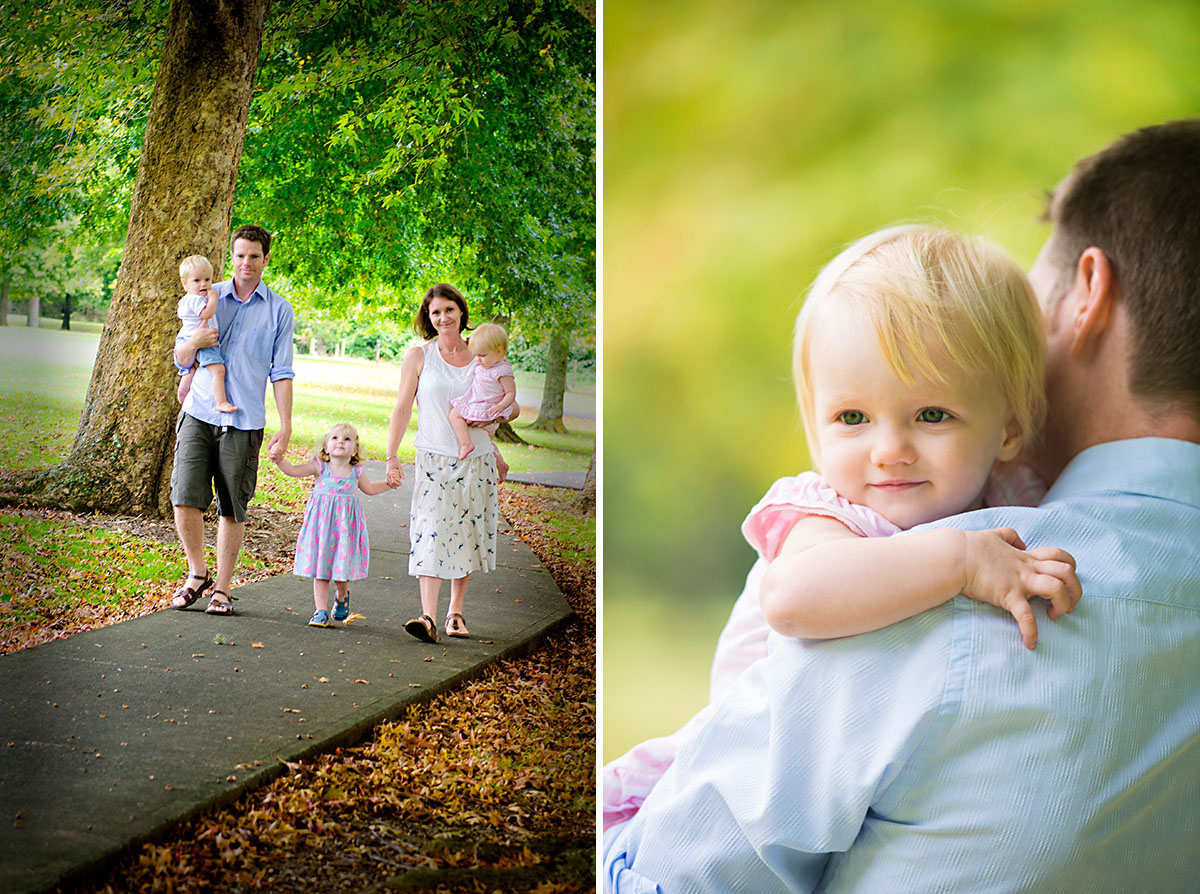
[256, 342]
[939, 755]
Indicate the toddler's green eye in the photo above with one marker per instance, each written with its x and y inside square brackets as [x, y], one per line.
[932, 415]
[852, 417]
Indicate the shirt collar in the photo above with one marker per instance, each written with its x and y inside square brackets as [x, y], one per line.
[1155, 467]
[260, 291]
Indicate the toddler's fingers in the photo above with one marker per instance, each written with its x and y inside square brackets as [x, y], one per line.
[1057, 592]
[1023, 615]
[1010, 536]
[1053, 554]
[1066, 573]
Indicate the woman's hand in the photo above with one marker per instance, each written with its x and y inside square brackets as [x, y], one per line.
[395, 472]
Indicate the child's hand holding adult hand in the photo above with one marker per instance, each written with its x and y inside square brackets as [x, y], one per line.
[1002, 572]
[395, 472]
[278, 445]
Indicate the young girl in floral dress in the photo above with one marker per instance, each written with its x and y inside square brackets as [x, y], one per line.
[333, 543]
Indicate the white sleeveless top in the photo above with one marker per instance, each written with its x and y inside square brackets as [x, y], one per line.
[437, 384]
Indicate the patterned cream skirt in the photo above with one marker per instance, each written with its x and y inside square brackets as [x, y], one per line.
[452, 529]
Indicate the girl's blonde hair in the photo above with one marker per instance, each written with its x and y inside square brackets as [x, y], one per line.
[491, 337]
[193, 263]
[355, 458]
[943, 305]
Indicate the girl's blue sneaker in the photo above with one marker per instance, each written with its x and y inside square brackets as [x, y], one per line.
[341, 608]
[320, 618]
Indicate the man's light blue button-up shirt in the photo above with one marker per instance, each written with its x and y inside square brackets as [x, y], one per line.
[939, 754]
[256, 342]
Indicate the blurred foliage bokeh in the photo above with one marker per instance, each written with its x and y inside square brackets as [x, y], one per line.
[744, 144]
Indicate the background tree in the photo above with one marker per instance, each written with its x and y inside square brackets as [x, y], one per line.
[387, 147]
[182, 204]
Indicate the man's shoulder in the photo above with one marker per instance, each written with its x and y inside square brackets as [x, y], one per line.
[991, 517]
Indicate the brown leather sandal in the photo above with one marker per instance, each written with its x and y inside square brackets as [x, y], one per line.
[456, 626]
[423, 629]
[185, 595]
[220, 606]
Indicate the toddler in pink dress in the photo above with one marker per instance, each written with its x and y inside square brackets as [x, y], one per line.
[493, 386]
[916, 400]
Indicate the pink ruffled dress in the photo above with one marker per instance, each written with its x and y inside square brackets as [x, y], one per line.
[627, 780]
[485, 391]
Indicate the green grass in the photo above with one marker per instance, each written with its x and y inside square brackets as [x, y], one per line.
[44, 376]
[85, 564]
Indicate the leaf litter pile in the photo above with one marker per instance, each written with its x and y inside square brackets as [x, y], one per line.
[487, 788]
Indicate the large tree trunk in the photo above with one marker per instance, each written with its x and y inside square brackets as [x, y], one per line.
[551, 412]
[4, 302]
[182, 205]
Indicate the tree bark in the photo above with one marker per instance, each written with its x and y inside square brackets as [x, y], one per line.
[505, 434]
[182, 205]
[585, 503]
[553, 390]
[66, 321]
[4, 302]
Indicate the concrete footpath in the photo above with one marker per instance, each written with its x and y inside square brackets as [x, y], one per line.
[110, 738]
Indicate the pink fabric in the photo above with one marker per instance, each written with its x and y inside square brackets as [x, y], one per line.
[485, 391]
[790, 499]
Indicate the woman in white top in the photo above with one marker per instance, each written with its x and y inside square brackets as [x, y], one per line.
[452, 529]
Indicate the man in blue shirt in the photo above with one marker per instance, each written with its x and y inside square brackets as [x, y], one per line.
[215, 450]
[940, 755]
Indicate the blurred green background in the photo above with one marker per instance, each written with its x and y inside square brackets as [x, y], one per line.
[744, 144]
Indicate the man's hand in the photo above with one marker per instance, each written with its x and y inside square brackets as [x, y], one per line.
[203, 337]
[1002, 572]
[278, 444]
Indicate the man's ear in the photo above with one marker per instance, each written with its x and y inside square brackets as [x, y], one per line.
[1094, 305]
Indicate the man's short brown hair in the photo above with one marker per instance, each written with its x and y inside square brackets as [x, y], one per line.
[252, 233]
[1138, 200]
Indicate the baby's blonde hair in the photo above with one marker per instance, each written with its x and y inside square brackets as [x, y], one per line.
[943, 305]
[355, 458]
[491, 337]
[193, 263]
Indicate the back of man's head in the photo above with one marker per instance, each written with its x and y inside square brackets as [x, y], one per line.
[1138, 200]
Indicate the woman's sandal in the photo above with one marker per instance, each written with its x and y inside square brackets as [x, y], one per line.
[455, 625]
[341, 607]
[185, 595]
[423, 629]
[220, 606]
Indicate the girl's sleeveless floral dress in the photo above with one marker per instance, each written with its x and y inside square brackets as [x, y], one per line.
[333, 543]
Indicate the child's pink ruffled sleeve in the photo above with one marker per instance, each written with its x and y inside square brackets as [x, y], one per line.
[790, 499]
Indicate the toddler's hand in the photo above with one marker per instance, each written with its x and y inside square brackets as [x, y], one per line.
[1002, 572]
[395, 473]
